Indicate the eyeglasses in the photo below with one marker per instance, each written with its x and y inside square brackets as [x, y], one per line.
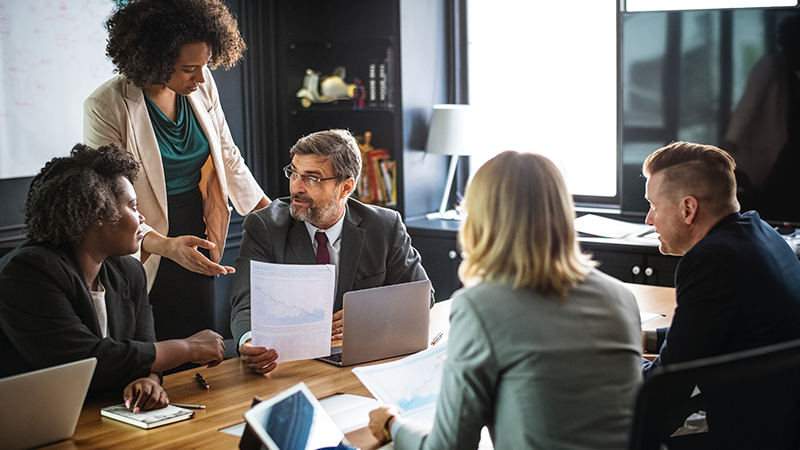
[307, 179]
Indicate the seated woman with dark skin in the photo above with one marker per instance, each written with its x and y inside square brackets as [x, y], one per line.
[72, 292]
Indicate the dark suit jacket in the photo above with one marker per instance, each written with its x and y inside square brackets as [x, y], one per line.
[738, 288]
[375, 251]
[47, 316]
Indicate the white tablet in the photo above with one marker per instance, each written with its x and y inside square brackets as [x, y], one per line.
[293, 420]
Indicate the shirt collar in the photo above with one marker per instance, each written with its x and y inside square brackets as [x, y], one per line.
[333, 233]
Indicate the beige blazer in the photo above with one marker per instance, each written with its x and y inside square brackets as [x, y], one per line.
[116, 113]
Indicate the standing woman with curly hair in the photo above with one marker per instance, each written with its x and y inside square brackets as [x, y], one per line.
[164, 108]
[72, 292]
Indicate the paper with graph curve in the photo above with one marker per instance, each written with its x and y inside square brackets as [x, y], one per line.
[291, 308]
[412, 383]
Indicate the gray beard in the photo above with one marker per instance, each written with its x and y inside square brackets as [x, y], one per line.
[314, 214]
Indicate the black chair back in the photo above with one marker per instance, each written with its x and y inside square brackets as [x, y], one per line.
[752, 396]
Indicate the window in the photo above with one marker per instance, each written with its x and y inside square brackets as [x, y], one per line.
[543, 78]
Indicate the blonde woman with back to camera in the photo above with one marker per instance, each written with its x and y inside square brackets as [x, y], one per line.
[544, 350]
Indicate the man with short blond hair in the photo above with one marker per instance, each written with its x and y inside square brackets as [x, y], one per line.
[737, 284]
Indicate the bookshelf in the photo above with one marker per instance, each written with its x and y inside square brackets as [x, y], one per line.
[323, 35]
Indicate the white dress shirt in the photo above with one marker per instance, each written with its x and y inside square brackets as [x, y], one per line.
[334, 235]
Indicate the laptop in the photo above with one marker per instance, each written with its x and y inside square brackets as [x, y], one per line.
[383, 322]
[40, 407]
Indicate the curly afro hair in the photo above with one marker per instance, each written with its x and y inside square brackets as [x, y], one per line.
[146, 36]
[74, 192]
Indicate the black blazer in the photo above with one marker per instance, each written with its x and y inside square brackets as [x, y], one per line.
[47, 316]
[376, 251]
[738, 288]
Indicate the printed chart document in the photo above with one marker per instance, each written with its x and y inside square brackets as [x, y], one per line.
[412, 383]
[291, 307]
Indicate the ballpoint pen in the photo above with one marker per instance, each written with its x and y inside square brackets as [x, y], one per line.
[437, 338]
[202, 381]
[186, 405]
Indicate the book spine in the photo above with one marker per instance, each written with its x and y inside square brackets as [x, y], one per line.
[389, 81]
[382, 86]
[372, 85]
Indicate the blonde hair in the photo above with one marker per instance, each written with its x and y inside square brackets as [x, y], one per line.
[519, 227]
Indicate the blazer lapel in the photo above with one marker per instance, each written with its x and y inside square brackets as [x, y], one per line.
[143, 145]
[212, 134]
[119, 323]
[353, 239]
[84, 307]
[299, 249]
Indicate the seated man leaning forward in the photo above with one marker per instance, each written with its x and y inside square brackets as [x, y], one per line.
[738, 283]
[72, 292]
[368, 245]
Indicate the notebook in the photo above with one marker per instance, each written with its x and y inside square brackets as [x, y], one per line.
[40, 407]
[147, 419]
[383, 322]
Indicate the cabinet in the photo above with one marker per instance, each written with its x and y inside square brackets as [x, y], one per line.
[436, 241]
[632, 263]
[360, 35]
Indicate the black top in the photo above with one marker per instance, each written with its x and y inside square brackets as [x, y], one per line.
[738, 288]
[47, 316]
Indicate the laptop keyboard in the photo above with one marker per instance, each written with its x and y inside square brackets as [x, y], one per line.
[335, 357]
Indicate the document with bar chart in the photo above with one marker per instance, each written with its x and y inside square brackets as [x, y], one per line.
[291, 307]
[412, 383]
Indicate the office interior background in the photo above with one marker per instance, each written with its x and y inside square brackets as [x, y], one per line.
[596, 86]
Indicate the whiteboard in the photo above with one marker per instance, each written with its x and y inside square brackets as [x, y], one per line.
[52, 56]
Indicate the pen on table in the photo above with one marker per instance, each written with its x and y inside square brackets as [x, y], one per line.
[185, 405]
[437, 338]
[202, 381]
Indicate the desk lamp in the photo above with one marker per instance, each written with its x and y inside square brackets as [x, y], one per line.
[450, 134]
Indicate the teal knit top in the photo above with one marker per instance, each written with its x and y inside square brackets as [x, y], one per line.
[183, 145]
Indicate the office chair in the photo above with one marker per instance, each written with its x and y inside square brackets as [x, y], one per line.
[752, 399]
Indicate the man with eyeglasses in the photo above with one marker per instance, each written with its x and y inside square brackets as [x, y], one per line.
[320, 224]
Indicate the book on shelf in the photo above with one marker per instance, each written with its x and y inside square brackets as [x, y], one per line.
[372, 84]
[147, 419]
[377, 183]
[382, 83]
[387, 170]
[376, 177]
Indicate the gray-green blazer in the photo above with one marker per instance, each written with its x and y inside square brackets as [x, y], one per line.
[539, 372]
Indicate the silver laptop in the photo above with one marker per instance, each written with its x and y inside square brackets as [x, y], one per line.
[383, 322]
[40, 407]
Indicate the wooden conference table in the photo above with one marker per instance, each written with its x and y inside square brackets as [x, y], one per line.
[233, 386]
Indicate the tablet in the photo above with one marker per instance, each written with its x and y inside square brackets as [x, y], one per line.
[293, 420]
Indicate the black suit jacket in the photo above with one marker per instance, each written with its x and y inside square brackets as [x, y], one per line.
[738, 288]
[375, 251]
[47, 316]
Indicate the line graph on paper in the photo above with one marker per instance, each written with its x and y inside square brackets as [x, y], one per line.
[291, 308]
[412, 383]
[285, 312]
[287, 296]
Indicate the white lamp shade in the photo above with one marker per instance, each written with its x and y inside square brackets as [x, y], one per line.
[451, 130]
